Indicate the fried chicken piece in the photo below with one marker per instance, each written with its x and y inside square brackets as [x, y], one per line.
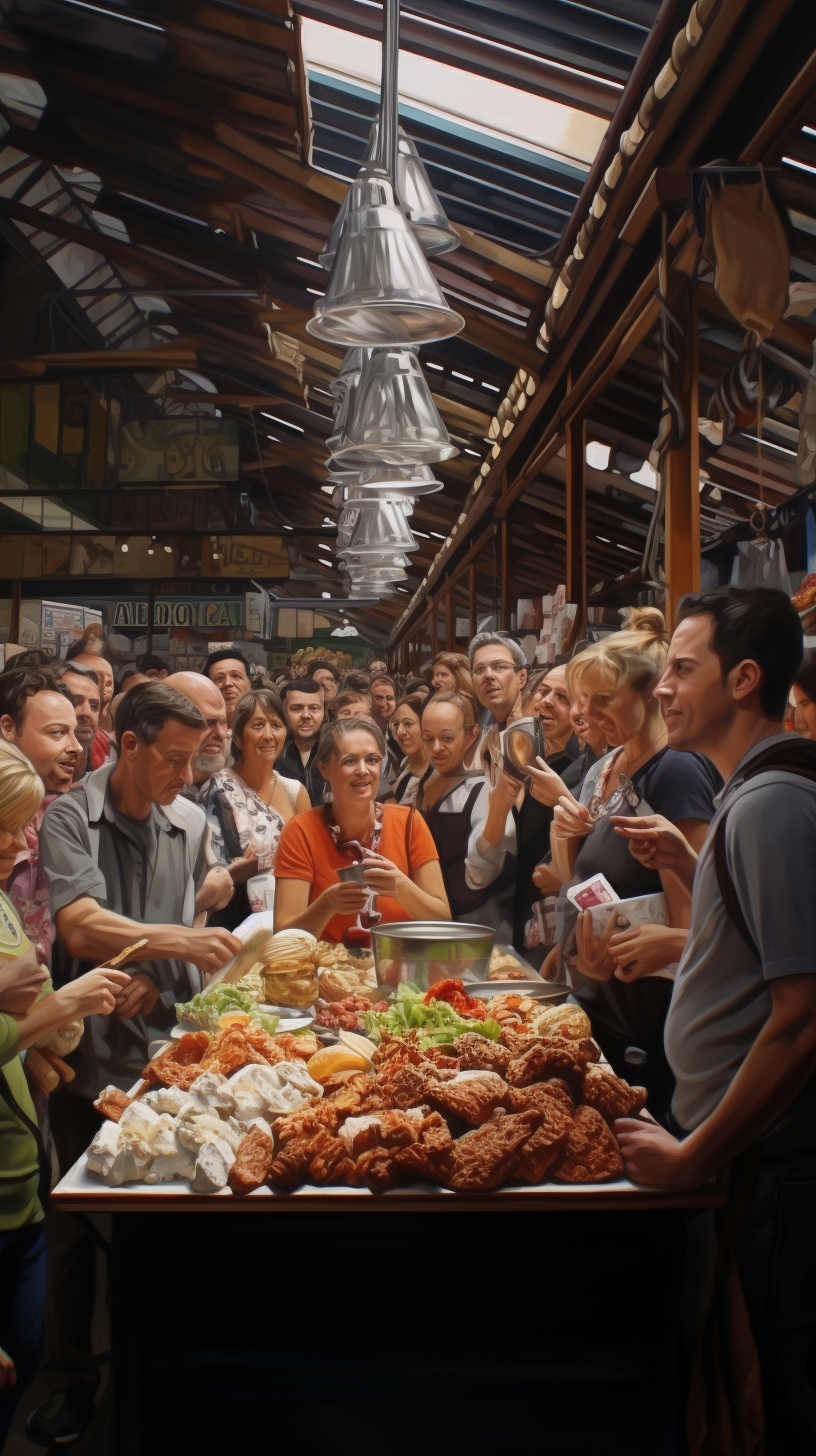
[331, 1162]
[389, 1130]
[253, 1160]
[432, 1156]
[306, 1122]
[266, 1046]
[379, 1169]
[410, 1086]
[477, 1054]
[296, 1048]
[544, 1145]
[472, 1097]
[591, 1153]
[487, 1156]
[353, 1093]
[112, 1103]
[554, 1089]
[188, 1051]
[291, 1163]
[549, 1056]
[230, 1051]
[611, 1095]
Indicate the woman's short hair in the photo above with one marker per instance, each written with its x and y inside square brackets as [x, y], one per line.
[462, 701]
[264, 698]
[415, 701]
[147, 707]
[458, 664]
[634, 657]
[348, 696]
[21, 788]
[332, 735]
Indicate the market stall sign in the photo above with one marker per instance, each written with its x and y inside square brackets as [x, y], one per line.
[197, 613]
[55, 555]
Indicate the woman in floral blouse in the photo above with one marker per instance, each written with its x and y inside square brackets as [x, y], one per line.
[249, 802]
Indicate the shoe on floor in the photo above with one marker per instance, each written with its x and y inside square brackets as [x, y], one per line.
[63, 1418]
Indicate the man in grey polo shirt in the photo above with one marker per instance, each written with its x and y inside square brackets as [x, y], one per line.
[127, 858]
[741, 1028]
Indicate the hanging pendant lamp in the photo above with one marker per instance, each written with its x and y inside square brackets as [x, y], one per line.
[384, 528]
[391, 417]
[393, 480]
[381, 290]
[415, 195]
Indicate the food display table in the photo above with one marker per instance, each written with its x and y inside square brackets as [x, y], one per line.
[80, 1192]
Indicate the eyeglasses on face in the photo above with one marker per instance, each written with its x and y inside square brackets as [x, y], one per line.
[483, 668]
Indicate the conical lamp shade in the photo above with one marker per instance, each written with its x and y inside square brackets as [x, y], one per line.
[391, 417]
[381, 290]
[382, 529]
[415, 196]
[410, 480]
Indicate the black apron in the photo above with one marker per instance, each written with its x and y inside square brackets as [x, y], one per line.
[451, 832]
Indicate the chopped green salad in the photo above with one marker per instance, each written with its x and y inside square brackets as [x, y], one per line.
[438, 1022]
[205, 1008]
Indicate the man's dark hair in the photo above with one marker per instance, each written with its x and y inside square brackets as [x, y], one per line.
[147, 707]
[148, 662]
[300, 685]
[80, 647]
[806, 676]
[78, 669]
[17, 687]
[33, 657]
[325, 667]
[359, 682]
[757, 623]
[221, 656]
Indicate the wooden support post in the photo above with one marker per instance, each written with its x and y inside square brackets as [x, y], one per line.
[472, 598]
[14, 624]
[151, 608]
[450, 621]
[682, 463]
[505, 577]
[575, 460]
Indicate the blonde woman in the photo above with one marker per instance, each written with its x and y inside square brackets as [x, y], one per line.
[622, 978]
[401, 864]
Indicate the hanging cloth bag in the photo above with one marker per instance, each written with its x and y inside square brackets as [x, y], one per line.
[748, 245]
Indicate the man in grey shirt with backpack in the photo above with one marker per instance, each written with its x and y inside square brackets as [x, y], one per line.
[741, 1029]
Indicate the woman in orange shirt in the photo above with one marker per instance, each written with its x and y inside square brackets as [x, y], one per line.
[402, 864]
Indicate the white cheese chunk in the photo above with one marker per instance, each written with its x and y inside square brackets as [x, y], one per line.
[211, 1170]
[103, 1149]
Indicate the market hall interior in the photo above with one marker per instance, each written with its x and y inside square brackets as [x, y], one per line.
[407, 684]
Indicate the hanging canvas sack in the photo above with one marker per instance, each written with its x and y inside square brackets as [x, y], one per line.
[748, 244]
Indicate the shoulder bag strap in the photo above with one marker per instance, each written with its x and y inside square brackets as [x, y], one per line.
[8, 1097]
[799, 760]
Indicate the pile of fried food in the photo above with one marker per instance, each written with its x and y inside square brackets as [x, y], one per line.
[198, 1102]
[471, 1115]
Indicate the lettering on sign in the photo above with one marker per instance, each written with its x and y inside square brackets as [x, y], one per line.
[179, 614]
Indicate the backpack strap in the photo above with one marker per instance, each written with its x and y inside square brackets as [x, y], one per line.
[797, 759]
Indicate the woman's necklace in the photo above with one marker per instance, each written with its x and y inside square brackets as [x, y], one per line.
[625, 791]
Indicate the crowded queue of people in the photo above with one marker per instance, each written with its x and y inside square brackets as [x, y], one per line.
[658, 764]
